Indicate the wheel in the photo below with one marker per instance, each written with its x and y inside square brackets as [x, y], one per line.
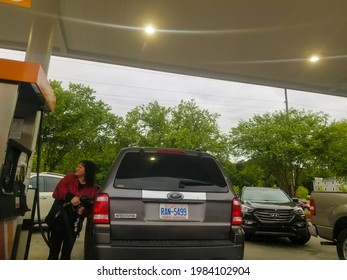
[87, 240]
[248, 237]
[341, 245]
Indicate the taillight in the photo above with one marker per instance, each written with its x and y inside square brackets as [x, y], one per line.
[236, 214]
[312, 207]
[101, 210]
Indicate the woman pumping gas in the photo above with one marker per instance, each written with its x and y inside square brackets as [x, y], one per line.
[69, 209]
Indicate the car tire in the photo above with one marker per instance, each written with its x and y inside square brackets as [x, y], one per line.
[301, 240]
[87, 240]
[248, 237]
[341, 245]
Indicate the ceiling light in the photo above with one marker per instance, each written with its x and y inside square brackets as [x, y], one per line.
[20, 3]
[149, 29]
[314, 58]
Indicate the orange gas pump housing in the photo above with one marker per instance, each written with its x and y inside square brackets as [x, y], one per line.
[13, 71]
[24, 93]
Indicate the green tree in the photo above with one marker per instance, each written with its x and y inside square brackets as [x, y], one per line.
[284, 144]
[183, 126]
[301, 192]
[249, 173]
[334, 152]
[195, 128]
[80, 127]
[145, 125]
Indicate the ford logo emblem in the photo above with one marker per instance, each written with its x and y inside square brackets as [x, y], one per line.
[175, 196]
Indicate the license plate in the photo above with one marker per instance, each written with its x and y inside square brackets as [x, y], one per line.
[173, 211]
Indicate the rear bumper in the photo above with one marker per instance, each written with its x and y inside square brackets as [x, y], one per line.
[321, 231]
[106, 252]
[99, 246]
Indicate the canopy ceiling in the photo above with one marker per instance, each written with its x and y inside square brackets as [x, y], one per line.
[265, 42]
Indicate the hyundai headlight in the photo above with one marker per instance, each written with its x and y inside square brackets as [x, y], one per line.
[299, 211]
[246, 209]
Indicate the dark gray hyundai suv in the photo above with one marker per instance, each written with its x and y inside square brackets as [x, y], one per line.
[160, 203]
[270, 211]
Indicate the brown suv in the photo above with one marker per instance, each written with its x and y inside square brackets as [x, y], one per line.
[160, 203]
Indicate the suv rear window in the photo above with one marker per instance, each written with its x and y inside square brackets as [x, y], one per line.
[151, 170]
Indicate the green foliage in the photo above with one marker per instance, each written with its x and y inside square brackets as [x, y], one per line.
[185, 126]
[283, 144]
[245, 173]
[301, 192]
[334, 152]
[237, 190]
[145, 126]
[80, 127]
[283, 149]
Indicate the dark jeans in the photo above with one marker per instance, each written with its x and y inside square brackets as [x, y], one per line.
[61, 241]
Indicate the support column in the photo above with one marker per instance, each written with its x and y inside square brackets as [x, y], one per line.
[40, 42]
[39, 50]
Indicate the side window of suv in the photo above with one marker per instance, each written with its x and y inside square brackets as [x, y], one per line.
[51, 183]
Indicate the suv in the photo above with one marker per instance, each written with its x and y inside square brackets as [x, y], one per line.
[160, 203]
[270, 211]
[47, 183]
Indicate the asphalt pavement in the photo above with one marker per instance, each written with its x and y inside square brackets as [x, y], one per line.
[39, 250]
[259, 248]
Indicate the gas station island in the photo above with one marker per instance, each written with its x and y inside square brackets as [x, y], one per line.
[25, 94]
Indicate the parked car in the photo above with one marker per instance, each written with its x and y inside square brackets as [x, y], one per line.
[47, 183]
[160, 203]
[270, 211]
[302, 203]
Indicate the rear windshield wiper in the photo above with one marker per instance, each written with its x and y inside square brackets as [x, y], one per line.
[188, 182]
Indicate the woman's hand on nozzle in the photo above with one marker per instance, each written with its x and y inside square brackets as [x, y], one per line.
[75, 201]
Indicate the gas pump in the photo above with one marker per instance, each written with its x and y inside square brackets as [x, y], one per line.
[24, 93]
[12, 180]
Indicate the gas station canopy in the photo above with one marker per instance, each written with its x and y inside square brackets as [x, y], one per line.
[264, 42]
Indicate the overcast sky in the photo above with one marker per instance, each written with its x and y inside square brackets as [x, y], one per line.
[123, 88]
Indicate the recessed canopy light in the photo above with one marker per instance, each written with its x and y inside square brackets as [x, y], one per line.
[21, 3]
[314, 58]
[149, 29]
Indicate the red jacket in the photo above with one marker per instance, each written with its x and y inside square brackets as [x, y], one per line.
[67, 188]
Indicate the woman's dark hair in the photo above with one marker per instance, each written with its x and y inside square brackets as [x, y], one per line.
[90, 170]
